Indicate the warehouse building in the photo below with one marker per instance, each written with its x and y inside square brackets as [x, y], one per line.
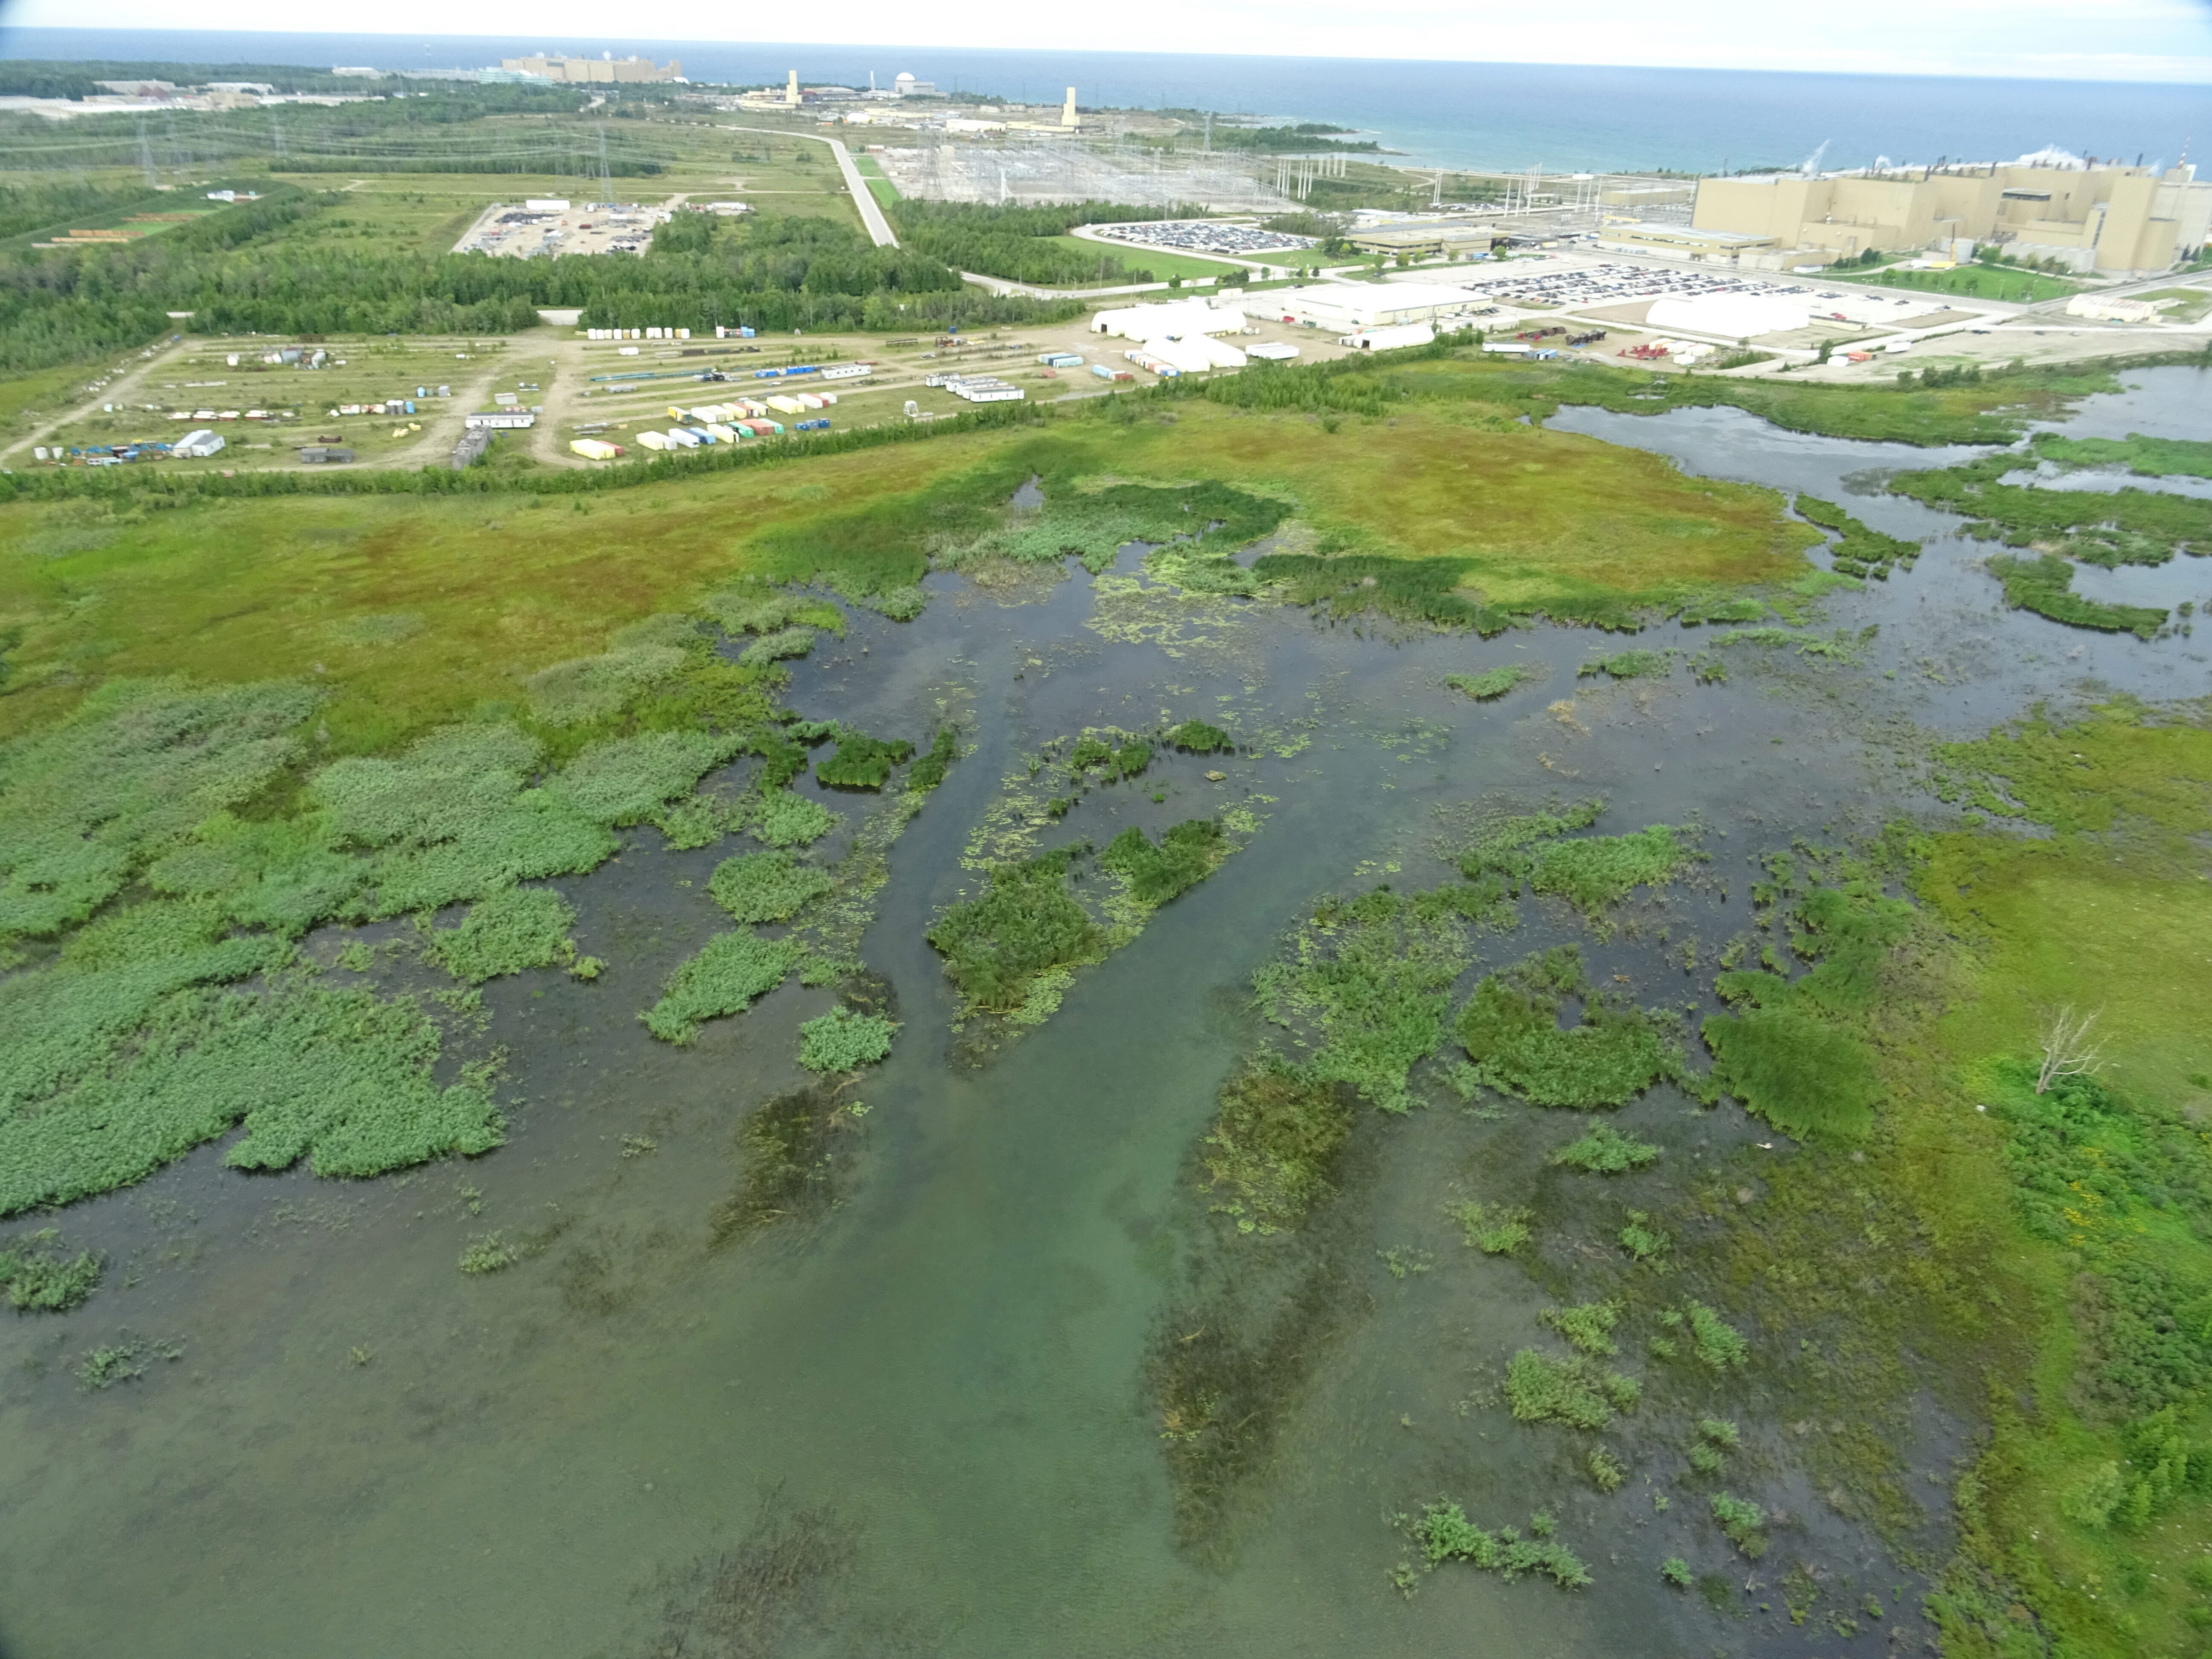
[1425, 239]
[1724, 247]
[1358, 308]
[2089, 218]
[1165, 322]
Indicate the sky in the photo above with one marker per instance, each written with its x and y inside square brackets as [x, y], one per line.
[2166, 40]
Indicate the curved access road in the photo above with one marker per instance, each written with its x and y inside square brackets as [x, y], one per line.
[872, 212]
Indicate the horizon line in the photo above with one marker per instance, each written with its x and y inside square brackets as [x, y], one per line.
[635, 44]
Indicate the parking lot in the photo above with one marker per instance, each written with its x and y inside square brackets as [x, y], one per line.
[519, 232]
[1203, 236]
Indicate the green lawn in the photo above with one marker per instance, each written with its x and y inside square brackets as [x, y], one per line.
[1976, 282]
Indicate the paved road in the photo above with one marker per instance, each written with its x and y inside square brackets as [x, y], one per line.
[872, 212]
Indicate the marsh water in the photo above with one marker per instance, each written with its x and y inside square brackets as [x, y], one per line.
[914, 1420]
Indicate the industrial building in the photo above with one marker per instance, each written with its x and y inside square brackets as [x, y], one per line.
[2089, 218]
[604, 68]
[1682, 242]
[1362, 307]
[1425, 239]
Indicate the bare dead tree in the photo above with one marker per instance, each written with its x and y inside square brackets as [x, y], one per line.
[2066, 1050]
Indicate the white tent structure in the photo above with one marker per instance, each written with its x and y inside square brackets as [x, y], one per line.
[1730, 316]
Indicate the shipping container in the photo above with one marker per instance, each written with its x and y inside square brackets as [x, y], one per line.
[829, 398]
[786, 405]
[820, 423]
[595, 449]
[808, 400]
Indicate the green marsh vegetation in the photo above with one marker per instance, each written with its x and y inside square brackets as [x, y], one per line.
[1592, 873]
[2045, 585]
[1629, 665]
[1604, 1150]
[1157, 871]
[769, 886]
[1493, 683]
[2128, 526]
[727, 975]
[1510, 1031]
[845, 1039]
[1860, 551]
[1442, 1533]
[1024, 924]
[38, 1274]
[2147, 458]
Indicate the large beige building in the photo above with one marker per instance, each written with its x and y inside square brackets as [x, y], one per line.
[2089, 218]
[587, 70]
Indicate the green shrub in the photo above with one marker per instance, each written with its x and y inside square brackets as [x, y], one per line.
[2091, 1500]
[1588, 1328]
[1185, 855]
[1605, 1470]
[1275, 1145]
[1492, 1228]
[1573, 1391]
[513, 929]
[38, 1276]
[1023, 922]
[1676, 1572]
[726, 977]
[1494, 682]
[772, 886]
[1718, 1344]
[862, 761]
[1705, 1459]
[1197, 737]
[782, 818]
[489, 1253]
[1628, 665]
[844, 1040]
[929, 771]
[1642, 1240]
[1444, 1534]
[1740, 1520]
[1604, 1150]
[1719, 1432]
[784, 643]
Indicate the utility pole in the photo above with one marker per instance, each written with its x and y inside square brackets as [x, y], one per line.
[145, 151]
[606, 181]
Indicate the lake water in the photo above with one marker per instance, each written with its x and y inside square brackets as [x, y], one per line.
[1507, 116]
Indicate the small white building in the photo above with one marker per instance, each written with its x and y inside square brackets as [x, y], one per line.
[2098, 308]
[1389, 340]
[499, 419]
[197, 445]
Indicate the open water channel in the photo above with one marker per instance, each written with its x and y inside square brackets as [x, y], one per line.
[915, 1421]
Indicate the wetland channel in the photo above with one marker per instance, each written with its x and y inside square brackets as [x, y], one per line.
[913, 1417]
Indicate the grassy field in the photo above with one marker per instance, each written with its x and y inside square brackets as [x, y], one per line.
[476, 594]
[1162, 265]
[1977, 281]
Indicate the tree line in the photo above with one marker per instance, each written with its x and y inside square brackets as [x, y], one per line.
[1015, 241]
[260, 268]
